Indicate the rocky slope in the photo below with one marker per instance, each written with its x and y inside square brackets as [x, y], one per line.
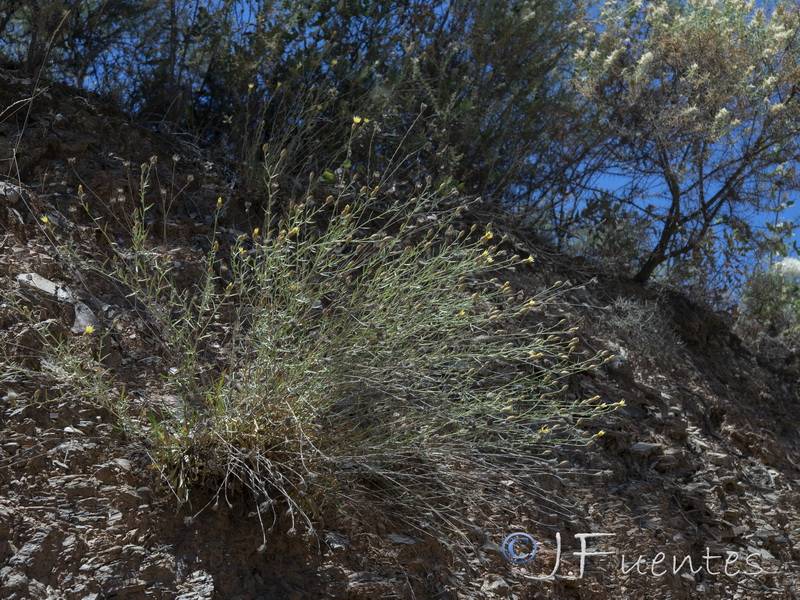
[702, 462]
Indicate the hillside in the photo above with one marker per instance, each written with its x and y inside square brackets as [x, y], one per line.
[703, 459]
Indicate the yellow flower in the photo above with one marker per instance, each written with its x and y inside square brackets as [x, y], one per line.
[255, 232]
[487, 236]
[489, 260]
[229, 288]
[544, 430]
[356, 120]
[506, 409]
[45, 220]
[293, 231]
[250, 86]
[461, 314]
[600, 433]
[242, 251]
[528, 260]
[89, 329]
[621, 403]
[219, 202]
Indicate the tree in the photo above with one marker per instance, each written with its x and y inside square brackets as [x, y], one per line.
[71, 40]
[701, 106]
[244, 72]
[491, 76]
[772, 296]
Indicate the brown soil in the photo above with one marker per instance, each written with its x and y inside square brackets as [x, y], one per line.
[704, 459]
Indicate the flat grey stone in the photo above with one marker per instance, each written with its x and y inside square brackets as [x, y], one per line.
[84, 317]
[37, 282]
[644, 448]
[12, 193]
[336, 541]
[402, 538]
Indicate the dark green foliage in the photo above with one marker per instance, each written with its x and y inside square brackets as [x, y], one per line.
[467, 91]
[672, 123]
